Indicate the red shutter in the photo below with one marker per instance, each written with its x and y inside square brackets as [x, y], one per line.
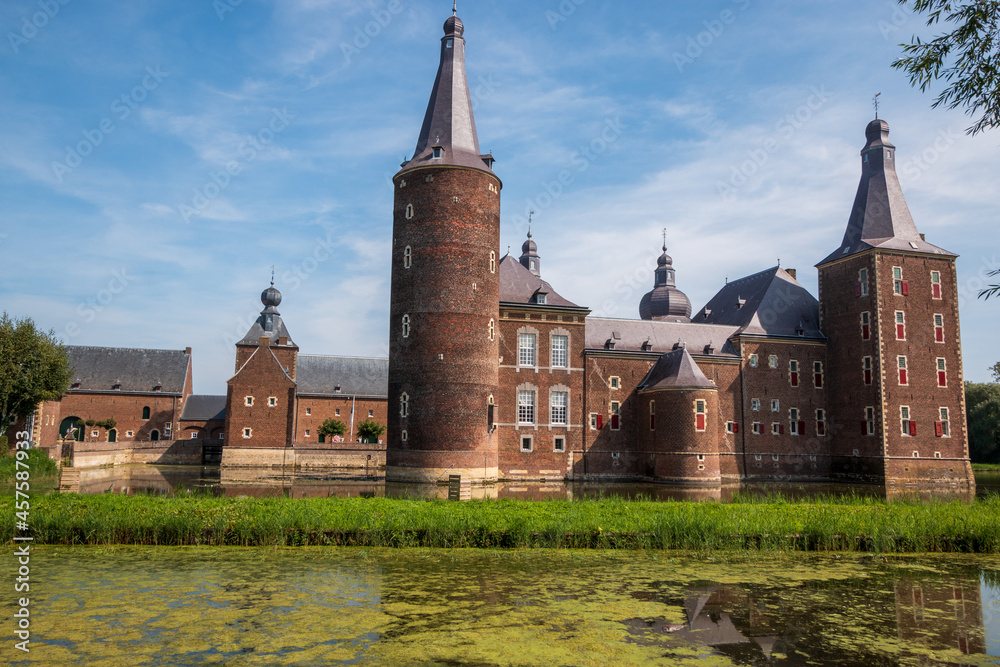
[795, 379]
[906, 288]
[652, 422]
[857, 289]
[819, 380]
[868, 376]
[902, 376]
[802, 428]
[936, 291]
[942, 379]
[866, 331]
[600, 422]
[939, 334]
[736, 428]
[939, 429]
[614, 422]
[900, 332]
[913, 427]
[864, 427]
[700, 422]
[781, 429]
[821, 428]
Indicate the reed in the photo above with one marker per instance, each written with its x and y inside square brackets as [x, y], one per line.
[833, 524]
[39, 466]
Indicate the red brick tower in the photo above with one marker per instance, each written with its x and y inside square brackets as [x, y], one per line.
[889, 305]
[443, 349]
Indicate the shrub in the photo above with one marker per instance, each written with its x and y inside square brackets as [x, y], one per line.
[370, 430]
[333, 427]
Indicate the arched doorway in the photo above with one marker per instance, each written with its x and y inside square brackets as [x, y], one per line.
[113, 435]
[73, 426]
[154, 436]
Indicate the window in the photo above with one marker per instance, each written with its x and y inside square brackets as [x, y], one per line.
[614, 382]
[908, 425]
[493, 262]
[616, 415]
[247, 433]
[793, 418]
[866, 363]
[371, 413]
[272, 402]
[409, 211]
[492, 330]
[541, 299]
[94, 434]
[862, 288]
[772, 361]
[595, 421]
[900, 325]
[559, 402]
[404, 436]
[777, 429]
[900, 287]
[820, 422]
[775, 405]
[753, 361]
[526, 349]
[526, 406]
[560, 351]
[755, 404]
[559, 444]
[526, 443]
[437, 149]
[307, 433]
[818, 374]
[868, 426]
[248, 401]
[408, 257]
[145, 412]
[942, 371]
[758, 428]
[939, 328]
[404, 406]
[336, 413]
[652, 415]
[936, 284]
[903, 376]
[309, 411]
[130, 434]
[406, 326]
[866, 325]
[730, 427]
[942, 429]
[166, 428]
[793, 372]
[700, 418]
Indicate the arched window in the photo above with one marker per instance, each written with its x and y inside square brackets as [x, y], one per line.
[409, 211]
[493, 262]
[404, 406]
[406, 326]
[405, 436]
[493, 329]
[408, 257]
[145, 412]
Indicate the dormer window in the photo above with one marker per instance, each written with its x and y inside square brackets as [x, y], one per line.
[158, 387]
[117, 386]
[437, 152]
[541, 299]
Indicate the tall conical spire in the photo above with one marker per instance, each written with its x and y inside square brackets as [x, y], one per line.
[448, 135]
[880, 217]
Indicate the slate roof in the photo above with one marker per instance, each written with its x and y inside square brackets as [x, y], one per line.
[769, 303]
[356, 376]
[658, 336]
[200, 407]
[449, 122]
[519, 285]
[676, 370]
[138, 370]
[880, 217]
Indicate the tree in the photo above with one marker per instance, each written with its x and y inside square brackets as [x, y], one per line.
[967, 57]
[332, 427]
[34, 367]
[982, 403]
[995, 369]
[992, 290]
[370, 430]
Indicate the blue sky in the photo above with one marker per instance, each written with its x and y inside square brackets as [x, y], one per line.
[735, 124]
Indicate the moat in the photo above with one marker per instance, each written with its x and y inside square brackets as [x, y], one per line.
[194, 606]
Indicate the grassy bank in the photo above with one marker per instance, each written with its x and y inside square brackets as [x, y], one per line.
[836, 524]
[986, 467]
[40, 465]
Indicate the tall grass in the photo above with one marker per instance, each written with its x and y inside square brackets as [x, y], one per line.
[852, 524]
[40, 465]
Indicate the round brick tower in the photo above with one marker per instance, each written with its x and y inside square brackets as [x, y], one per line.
[443, 349]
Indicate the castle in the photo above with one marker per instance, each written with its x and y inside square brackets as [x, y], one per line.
[493, 375]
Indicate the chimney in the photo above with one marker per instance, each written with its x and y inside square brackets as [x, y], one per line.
[187, 350]
[283, 340]
[793, 273]
[264, 341]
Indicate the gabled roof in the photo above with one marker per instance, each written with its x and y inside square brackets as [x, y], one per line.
[137, 370]
[449, 123]
[199, 407]
[676, 370]
[356, 376]
[519, 285]
[880, 217]
[657, 336]
[769, 303]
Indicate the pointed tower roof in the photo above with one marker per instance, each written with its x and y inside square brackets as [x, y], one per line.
[665, 301]
[674, 371]
[269, 323]
[769, 303]
[448, 135]
[880, 217]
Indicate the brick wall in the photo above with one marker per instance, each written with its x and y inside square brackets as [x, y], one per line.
[262, 378]
[312, 411]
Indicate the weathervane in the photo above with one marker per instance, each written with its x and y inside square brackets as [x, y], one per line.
[531, 214]
[664, 239]
[272, 276]
[875, 102]
[454, 8]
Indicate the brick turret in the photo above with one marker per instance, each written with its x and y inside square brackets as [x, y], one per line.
[443, 368]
